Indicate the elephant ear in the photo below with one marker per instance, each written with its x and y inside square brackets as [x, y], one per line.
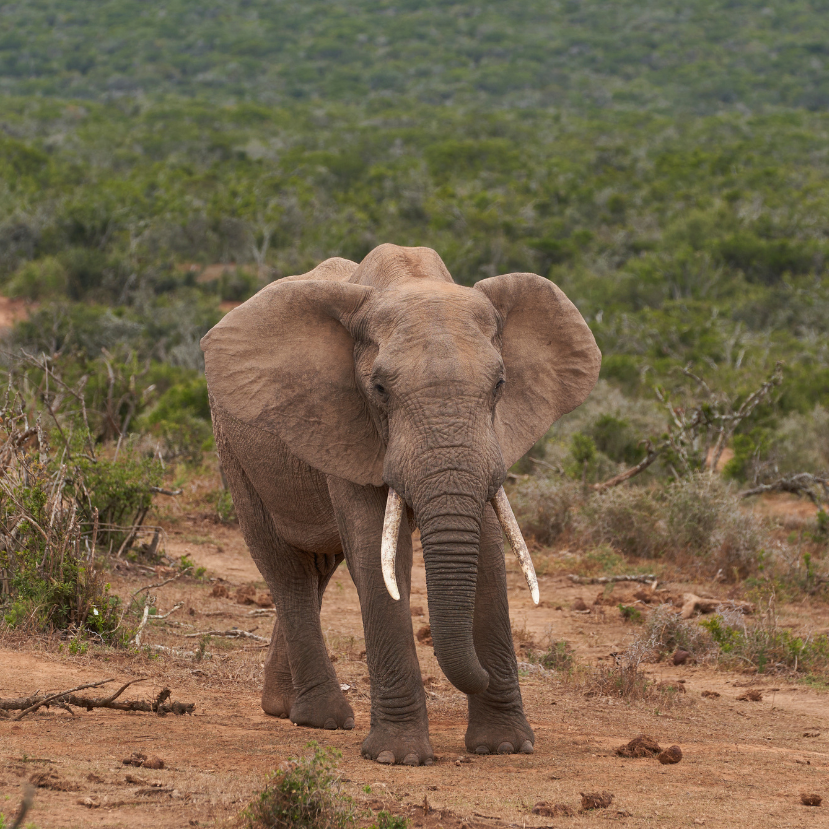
[551, 358]
[283, 362]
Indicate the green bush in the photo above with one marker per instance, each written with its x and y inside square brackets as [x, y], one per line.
[38, 280]
[303, 794]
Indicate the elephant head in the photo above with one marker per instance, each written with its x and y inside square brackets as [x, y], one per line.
[389, 373]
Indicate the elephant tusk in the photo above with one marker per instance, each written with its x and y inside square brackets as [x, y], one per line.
[388, 547]
[510, 526]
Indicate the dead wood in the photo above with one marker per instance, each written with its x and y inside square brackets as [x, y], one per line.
[160, 705]
[693, 604]
[814, 487]
[652, 455]
[650, 578]
[229, 634]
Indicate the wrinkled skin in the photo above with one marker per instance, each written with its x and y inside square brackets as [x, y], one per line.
[329, 388]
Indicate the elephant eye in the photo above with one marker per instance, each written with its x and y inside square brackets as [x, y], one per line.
[380, 389]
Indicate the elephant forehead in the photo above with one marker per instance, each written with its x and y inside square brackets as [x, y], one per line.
[433, 310]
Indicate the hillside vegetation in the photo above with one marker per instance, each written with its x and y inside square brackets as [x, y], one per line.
[665, 163]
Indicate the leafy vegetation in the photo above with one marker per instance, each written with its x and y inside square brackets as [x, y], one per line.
[305, 793]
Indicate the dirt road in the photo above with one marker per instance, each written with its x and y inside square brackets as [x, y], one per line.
[744, 763]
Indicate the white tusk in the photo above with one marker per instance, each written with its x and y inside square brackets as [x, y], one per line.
[388, 547]
[510, 526]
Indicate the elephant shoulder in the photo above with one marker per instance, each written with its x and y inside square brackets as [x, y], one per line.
[335, 269]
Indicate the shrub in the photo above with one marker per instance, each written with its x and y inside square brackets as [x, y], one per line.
[763, 644]
[626, 517]
[708, 525]
[37, 280]
[665, 632]
[51, 575]
[303, 794]
[544, 506]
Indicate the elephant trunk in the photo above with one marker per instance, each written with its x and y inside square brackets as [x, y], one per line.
[450, 535]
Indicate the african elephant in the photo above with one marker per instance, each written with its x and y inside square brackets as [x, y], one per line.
[356, 402]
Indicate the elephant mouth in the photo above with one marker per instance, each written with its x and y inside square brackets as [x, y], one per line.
[506, 517]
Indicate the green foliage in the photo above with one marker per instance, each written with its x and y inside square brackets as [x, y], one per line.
[559, 656]
[304, 793]
[767, 646]
[225, 510]
[630, 614]
[120, 490]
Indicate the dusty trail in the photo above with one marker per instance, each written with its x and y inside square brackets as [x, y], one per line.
[744, 763]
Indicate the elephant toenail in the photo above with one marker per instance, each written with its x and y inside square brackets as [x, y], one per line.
[330, 724]
[386, 758]
[428, 762]
[481, 750]
[349, 724]
[411, 760]
[505, 748]
[527, 747]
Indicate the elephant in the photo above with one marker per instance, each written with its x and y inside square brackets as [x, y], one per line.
[357, 402]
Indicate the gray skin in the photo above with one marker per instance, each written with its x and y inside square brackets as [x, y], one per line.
[328, 388]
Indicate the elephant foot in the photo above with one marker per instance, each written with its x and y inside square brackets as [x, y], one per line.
[392, 745]
[500, 735]
[277, 703]
[322, 708]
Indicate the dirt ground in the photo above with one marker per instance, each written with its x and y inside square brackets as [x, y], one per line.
[744, 763]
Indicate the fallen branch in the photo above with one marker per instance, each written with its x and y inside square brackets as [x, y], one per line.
[801, 484]
[46, 700]
[162, 583]
[159, 705]
[229, 634]
[693, 604]
[160, 491]
[643, 579]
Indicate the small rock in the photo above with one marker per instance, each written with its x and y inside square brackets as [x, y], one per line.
[90, 802]
[641, 746]
[810, 799]
[672, 754]
[751, 695]
[681, 657]
[700, 821]
[595, 800]
[546, 809]
[264, 600]
[246, 594]
[579, 604]
[219, 591]
[710, 694]
[153, 762]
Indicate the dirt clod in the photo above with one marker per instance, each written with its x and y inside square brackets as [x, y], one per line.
[219, 591]
[711, 694]
[140, 760]
[579, 604]
[264, 600]
[751, 695]
[424, 635]
[595, 800]
[671, 755]
[680, 657]
[811, 733]
[416, 610]
[641, 746]
[546, 809]
[808, 799]
[246, 594]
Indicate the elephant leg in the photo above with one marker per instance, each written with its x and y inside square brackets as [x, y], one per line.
[496, 716]
[296, 579]
[399, 724]
[278, 692]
